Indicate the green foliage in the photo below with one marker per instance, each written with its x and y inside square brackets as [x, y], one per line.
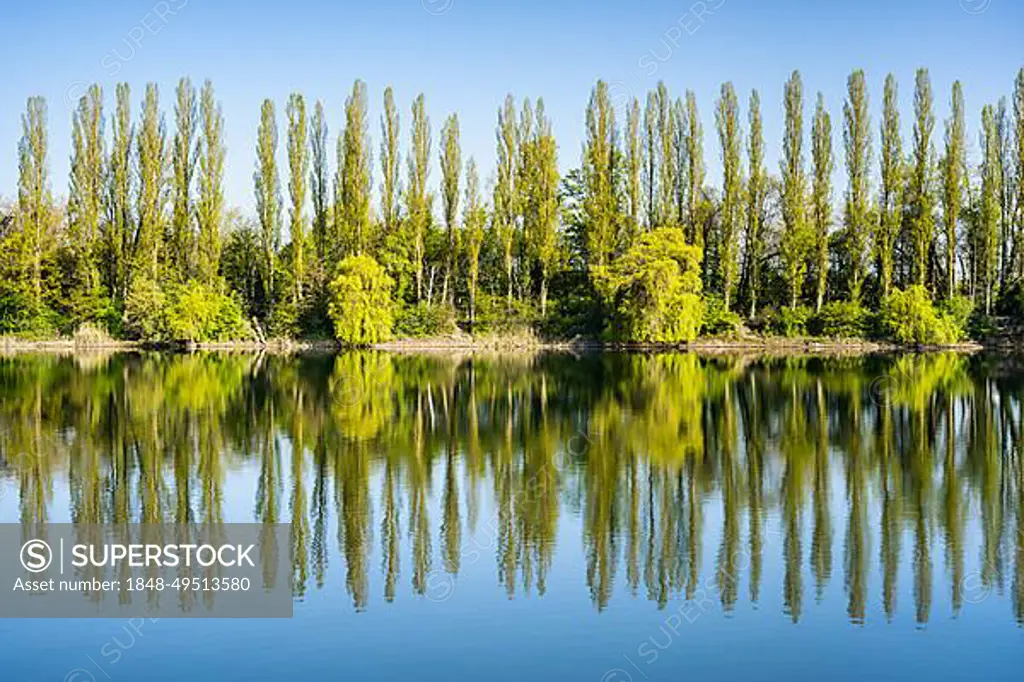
[654, 289]
[189, 312]
[909, 317]
[360, 304]
[841, 320]
[422, 320]
[718, 320]
[958, 309]
[496, 315]
[145, 311]
[790, 322]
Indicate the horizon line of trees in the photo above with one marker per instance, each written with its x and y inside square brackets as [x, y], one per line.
[635, 241]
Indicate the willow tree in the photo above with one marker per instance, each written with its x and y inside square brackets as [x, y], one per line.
[451, 171]
[954, 178]
[821, 201]
[727, 120]
[298, 165]
[793, 243]
[857, 144]
[890, 207]
[418, 201]
[210, 199]
[354, 186]
[34, 199]
[757, 188]
[319, 184]
[921, 201]
[390, 163]
[151, 164]
[503, 220]
[119, 198]
[268, 196]
[86, 189]
[694, 152]
[544, 225]
[474, 218]
[183, 162]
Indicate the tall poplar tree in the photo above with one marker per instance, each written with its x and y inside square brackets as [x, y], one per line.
[119, 220]
[727, 119]
[694, 172]
[86, 194]
[474, 218]
[544, 234]
[504, 217]
[451, 171]
[390, 163]
[651, 155]
[821, 203]
[34, 199]
[183, 160]
[634, 168]
[599, 151]
[857, 144]
[525, 205]
[793, 243]
[268, 198]
[298, 165]
[954, 178]
[418, 201]
[151, 162]
[890, 207]
[757, 189]
[1018, 117]
[319, 184]
[988, 215]
[668, 171]
[921, 201]
[681, 129]
[352, 208]
[210, 200]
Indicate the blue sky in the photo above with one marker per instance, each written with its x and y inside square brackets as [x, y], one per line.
[465, 55]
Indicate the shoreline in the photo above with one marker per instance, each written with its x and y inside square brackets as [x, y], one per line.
[513, 345]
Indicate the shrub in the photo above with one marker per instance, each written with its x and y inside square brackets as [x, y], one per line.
[790, 321]
[360, 305]
[958, 310]
[422, 320]
[654, 289]
[495, 315]
[145, 312]
[198, 312]
[909, 317]
[842, 320]
[719, 320]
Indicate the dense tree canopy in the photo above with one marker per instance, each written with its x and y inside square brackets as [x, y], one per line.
[520, 245]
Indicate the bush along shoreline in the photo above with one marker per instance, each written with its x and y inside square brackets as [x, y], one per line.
[633, 244]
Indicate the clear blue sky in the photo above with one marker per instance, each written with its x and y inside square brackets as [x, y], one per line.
[465, 55]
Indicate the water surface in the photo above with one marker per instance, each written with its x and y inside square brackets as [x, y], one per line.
[616, 517]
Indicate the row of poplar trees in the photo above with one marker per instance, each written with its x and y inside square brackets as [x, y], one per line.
[146, 209]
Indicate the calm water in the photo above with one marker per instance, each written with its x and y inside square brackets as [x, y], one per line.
[602, 517]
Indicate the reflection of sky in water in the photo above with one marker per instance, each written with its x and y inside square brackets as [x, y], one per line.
[479, 632]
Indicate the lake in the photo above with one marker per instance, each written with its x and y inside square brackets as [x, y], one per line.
[605, 517]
